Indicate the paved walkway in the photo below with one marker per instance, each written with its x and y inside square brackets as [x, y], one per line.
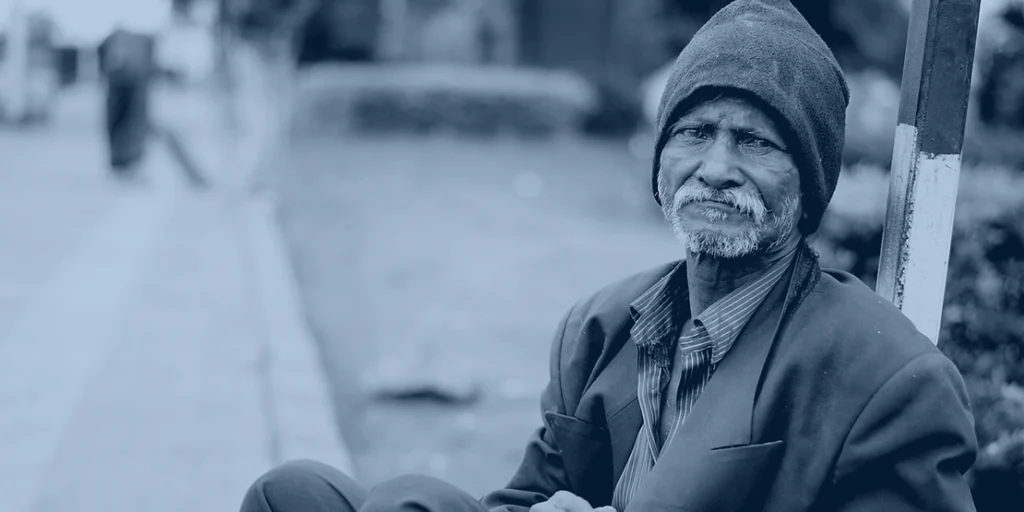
[152, 352]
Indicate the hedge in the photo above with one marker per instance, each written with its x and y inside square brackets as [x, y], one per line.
[440, 98]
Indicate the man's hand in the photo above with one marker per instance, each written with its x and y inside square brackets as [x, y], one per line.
[565, 501]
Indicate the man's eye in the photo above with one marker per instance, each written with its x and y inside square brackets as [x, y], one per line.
[757, 142]
[695, 133]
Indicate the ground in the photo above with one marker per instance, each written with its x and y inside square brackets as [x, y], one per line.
[149, 356]
[450, 259]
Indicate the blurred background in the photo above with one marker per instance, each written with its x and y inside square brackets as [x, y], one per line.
[446, 178]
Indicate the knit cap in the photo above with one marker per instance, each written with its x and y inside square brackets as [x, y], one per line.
[766, 50]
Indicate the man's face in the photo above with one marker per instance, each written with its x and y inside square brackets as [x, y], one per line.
[727, 184]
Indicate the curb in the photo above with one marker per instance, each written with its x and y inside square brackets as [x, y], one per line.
[301, 412]
[296, 391]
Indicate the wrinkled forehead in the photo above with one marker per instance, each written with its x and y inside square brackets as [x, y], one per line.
[708, 99]
[713, 103]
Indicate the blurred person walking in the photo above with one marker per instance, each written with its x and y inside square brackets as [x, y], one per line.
[126, 63]
[129, 66]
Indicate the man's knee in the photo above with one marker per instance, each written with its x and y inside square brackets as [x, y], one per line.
[417, 493]
[303, 485]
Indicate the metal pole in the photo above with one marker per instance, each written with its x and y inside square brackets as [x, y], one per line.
[926, 159]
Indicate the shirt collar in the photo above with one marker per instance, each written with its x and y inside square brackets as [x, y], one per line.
[724, 319]
[660, 312]
[655, 311]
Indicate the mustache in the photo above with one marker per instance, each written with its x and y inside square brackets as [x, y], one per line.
[745, 202]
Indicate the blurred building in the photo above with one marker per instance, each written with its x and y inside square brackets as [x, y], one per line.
[615, 44]
[28, 63]
[185, 32]
[342, 30]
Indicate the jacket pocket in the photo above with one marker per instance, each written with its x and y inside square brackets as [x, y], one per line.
[586, 454]
[721, 480]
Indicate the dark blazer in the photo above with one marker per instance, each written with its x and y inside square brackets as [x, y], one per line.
[829, 400]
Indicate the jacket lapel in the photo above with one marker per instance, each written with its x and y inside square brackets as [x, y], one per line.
[596, 441]
[723, 414]
[623, 410]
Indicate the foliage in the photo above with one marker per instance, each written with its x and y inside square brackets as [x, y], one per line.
[997, 478]
[986, 144]
[435, 98]
[998, 80]
[985, 297]
[871, 117]
[999, 409]
[850, 235]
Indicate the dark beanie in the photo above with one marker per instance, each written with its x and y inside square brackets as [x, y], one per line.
[766, 50]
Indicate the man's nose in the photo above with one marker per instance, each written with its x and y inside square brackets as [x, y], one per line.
[720, 166]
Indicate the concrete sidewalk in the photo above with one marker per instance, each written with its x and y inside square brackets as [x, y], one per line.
[153, 352]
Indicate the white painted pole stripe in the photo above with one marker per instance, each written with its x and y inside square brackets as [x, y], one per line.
[926, 159]
[923, 189]
[60, 340]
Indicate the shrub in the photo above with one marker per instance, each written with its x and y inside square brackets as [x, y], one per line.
[433, 98]
[992, 145]
[984, 298]
[850, 235]
[995, 119]
[871, 117]
[997, 478]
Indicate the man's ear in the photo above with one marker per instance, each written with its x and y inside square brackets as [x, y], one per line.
[800, 225]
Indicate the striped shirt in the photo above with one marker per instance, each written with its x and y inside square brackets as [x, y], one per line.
[679, 356]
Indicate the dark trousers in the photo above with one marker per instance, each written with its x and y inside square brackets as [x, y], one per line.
[127, 123]
[129, 128]
[308, 486]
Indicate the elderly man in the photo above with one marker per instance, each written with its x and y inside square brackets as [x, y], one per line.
[744, 378]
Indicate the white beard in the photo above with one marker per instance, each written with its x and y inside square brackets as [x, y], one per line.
[711, 242]
[714, 243]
